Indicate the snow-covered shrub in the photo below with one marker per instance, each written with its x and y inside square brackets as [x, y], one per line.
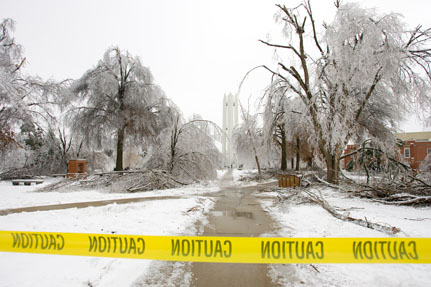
[426, 164]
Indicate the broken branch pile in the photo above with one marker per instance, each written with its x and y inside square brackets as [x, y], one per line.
[413, 191]
[410, 190]
[138, 181]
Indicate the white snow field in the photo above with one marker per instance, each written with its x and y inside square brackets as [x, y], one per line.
[306, 220]
[24, 196]
[164, 217]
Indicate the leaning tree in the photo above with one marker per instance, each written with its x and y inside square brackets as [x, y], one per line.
[192, 150]
[118, 97]
[358, 73]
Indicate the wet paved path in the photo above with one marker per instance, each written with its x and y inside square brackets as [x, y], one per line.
[236, 213]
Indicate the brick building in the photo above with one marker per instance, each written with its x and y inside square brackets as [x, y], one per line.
[349, 148]
[416, 146]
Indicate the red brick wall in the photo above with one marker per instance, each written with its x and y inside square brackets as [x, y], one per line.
[349, 148]
[418, 152]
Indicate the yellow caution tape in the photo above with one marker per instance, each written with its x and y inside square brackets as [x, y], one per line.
[222, 249]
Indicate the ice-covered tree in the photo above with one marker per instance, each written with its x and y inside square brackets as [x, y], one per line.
[274, 127]
[297, 131]
[119, 98]
[426, 164]
[241, 140]
[355, 76]
[285, 125]
[12, 85]
[247, 138]
[26, 104]
[192, 149]
[187, 149]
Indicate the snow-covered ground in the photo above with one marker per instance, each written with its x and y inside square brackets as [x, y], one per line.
[306, 220]
[180, 217]
[236, 173]
[23, 196]
[165, 217]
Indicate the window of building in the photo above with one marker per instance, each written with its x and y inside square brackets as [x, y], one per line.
[428, 150]
[407, 152]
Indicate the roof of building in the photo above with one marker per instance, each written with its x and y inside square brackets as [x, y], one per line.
[418, 136]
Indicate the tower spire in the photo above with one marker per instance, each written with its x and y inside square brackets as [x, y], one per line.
[230, 121]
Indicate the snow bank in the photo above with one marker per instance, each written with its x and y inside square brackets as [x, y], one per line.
[23, 196]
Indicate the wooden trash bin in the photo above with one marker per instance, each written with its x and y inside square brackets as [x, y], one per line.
[77, 168]
[288, 180]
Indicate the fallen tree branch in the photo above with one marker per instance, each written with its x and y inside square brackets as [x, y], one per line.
[315, 268]
[420, 180]
[325, 182]
[329, 184]
[129, 181]
[365, 223]
[419, 200]
[192, 177]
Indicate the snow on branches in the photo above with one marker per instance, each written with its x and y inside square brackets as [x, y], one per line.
[119, 98]
[356, 77]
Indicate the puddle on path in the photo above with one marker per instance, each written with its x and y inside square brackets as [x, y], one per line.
[236, 213]
[232, 214]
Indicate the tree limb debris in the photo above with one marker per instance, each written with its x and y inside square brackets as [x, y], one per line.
[304, 195]
[133, 181]
[345, 217]
[402, 193]
[420, 200]
[407, 189]
[404, 166]
[315, 268]
[326, 183]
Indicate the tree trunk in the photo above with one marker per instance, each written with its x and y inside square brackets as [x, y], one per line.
[292, 163]
[298, 159]
[283, 152]
[259, 170]
[255, 153]
[310, 162]
[173, 149]
[332, 168]
[120, 145]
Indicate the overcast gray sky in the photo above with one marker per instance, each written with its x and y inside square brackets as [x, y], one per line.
[197, 50]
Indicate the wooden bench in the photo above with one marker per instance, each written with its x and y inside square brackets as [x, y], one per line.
[59, 175]
[26, 181]
[120, 172]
